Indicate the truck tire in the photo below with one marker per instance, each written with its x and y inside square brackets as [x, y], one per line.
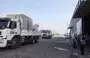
[32, 41]
[50, 37]
[37, 39]
[15, 43]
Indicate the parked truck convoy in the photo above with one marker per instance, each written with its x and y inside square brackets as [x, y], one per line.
[79, 25]
[16, 29]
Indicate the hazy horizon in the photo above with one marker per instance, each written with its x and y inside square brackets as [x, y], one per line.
[49, 14]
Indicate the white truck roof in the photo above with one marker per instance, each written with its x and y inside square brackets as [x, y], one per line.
[17, 16]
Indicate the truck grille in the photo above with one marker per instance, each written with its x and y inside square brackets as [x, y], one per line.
[44, 34]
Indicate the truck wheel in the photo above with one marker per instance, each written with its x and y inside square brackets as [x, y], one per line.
[32, 41]
[50, 37]
[36, 41]
[15, 43]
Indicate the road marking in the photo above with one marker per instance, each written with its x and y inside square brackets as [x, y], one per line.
[62, 41]
[62, 49]
[75, 53]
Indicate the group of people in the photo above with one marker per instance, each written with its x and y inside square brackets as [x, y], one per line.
[79, 41]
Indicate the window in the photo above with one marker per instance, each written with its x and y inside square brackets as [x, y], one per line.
[10, 26]
[13, 25]
[3, 23]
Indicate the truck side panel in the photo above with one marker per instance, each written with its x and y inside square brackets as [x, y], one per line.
[25, 23]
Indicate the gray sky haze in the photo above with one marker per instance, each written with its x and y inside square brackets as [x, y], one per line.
[49, 14]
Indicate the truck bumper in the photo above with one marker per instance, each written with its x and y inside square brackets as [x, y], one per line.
[3, 42]
[48, 36]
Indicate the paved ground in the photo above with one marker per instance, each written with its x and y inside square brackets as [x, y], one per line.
[46, 48]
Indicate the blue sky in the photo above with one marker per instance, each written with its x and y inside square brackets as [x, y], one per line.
[49, 14]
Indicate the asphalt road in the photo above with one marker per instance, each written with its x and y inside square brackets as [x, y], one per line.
[46, 48]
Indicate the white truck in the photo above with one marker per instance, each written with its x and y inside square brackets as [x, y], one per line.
[46, 34]
[16, 29]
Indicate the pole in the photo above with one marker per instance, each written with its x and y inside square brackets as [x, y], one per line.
[67, 29]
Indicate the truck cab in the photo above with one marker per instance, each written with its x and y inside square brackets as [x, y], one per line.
[46, 34]
[16, 29]
[8, 30]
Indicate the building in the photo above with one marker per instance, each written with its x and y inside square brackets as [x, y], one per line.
[82, 12]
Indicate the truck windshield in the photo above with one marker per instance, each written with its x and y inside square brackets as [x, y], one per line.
[3, 23]
[45, 31]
